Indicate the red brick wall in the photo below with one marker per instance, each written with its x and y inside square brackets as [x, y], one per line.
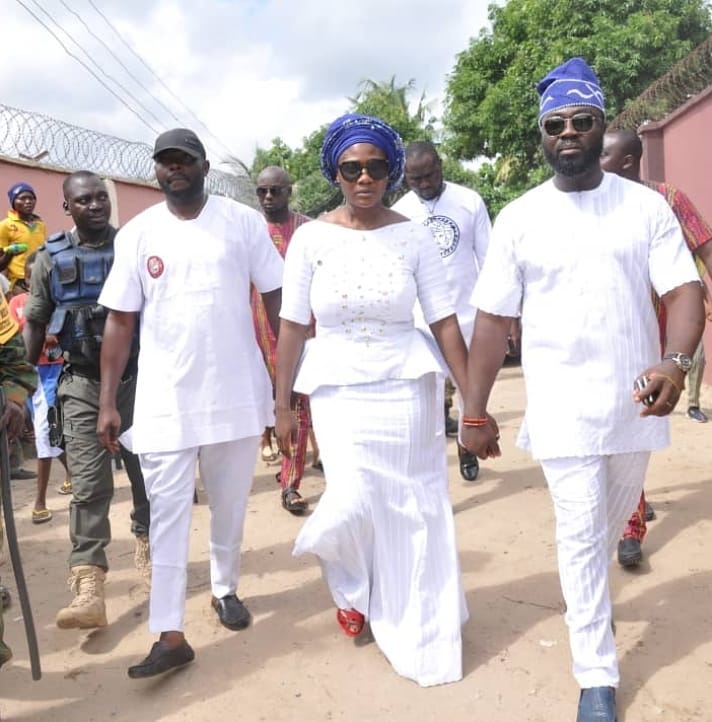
[133, 197]
[678, 150]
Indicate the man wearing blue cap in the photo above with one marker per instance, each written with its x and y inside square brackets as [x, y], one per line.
[21, 233]
[576, 258]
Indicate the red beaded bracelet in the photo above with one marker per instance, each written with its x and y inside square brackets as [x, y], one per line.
[475, 421]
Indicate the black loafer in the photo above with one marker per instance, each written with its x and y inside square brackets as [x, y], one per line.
[597, 704]
[231, 612]
[469, 466]
[162, 659]
[630, 553]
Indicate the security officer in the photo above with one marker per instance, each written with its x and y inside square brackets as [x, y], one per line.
[69, 274]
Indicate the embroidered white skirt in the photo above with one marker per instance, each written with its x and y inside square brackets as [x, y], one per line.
[384, 530]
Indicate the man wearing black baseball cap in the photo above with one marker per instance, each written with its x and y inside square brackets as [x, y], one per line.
[203, 393]
[180, 139]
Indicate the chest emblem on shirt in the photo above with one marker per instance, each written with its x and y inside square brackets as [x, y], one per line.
[155, 266]
[445, 232]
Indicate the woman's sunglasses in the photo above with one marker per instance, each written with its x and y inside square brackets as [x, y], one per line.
[351, 170]
[556, 124]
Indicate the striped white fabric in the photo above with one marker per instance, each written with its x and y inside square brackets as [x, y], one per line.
[384, 529]
[580, 267]
[593, 497]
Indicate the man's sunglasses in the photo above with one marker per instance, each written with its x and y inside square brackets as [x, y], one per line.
[556, 124]
[351, 170]
[262, 191]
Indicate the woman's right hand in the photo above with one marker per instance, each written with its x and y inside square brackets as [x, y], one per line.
[285, 429]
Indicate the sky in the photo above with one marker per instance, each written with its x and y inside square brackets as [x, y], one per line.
[238, 72]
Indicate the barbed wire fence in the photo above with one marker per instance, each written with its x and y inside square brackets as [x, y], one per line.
[45, 141]
[685, 79]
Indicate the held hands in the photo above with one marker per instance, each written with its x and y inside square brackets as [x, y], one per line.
[107, 429]
[285, 429]
[481, 436]
[658, 389]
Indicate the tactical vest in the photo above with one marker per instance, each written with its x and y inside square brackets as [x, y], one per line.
[75, 282]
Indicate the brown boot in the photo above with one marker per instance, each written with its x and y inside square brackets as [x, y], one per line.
[87, 609]
[142, 559]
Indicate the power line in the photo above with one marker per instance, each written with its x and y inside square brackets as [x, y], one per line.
[96, 65]
[119, 61]
[159, 79]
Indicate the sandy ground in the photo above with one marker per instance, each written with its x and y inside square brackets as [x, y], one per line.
[293, 663]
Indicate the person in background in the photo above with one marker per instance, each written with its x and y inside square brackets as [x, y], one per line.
[18, 380]
[274, 189]
[458, 220]
[622, 153]
[68, 275]
[49, 367]
[22, 232]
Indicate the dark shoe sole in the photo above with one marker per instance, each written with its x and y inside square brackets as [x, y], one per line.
[161, 660]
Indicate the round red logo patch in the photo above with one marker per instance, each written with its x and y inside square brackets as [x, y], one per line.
[155, 266]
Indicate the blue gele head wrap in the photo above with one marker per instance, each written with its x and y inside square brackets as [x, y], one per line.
[572, 83]
[353, 128]
[18, 188]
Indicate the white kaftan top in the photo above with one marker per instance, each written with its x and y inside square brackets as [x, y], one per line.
[460, 225]
[580, 266]
[201, 376]
[361, 287]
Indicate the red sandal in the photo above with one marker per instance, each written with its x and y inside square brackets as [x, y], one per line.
[350, 621]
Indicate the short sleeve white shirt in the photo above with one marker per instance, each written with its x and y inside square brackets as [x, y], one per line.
[579, 268]
[460, 225]
[201, 377]
[361, 287]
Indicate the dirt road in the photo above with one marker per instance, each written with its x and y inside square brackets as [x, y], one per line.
[294, 664]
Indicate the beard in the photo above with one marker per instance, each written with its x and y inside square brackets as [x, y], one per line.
[190, 193]
[578, 165]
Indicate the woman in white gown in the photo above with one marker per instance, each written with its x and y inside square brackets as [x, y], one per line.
[384, 529]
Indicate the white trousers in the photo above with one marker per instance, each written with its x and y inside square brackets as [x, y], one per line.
[226, 471]
[593, 497]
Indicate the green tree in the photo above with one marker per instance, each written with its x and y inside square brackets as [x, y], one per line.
[389, 101]
[492, 103]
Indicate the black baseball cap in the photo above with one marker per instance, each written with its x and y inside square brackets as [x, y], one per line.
[180, 139]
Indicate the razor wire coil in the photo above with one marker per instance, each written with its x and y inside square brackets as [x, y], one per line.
[45, 141]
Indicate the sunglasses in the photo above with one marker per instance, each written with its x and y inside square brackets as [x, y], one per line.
[556, 124]
[274, 190]
[351, 170]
